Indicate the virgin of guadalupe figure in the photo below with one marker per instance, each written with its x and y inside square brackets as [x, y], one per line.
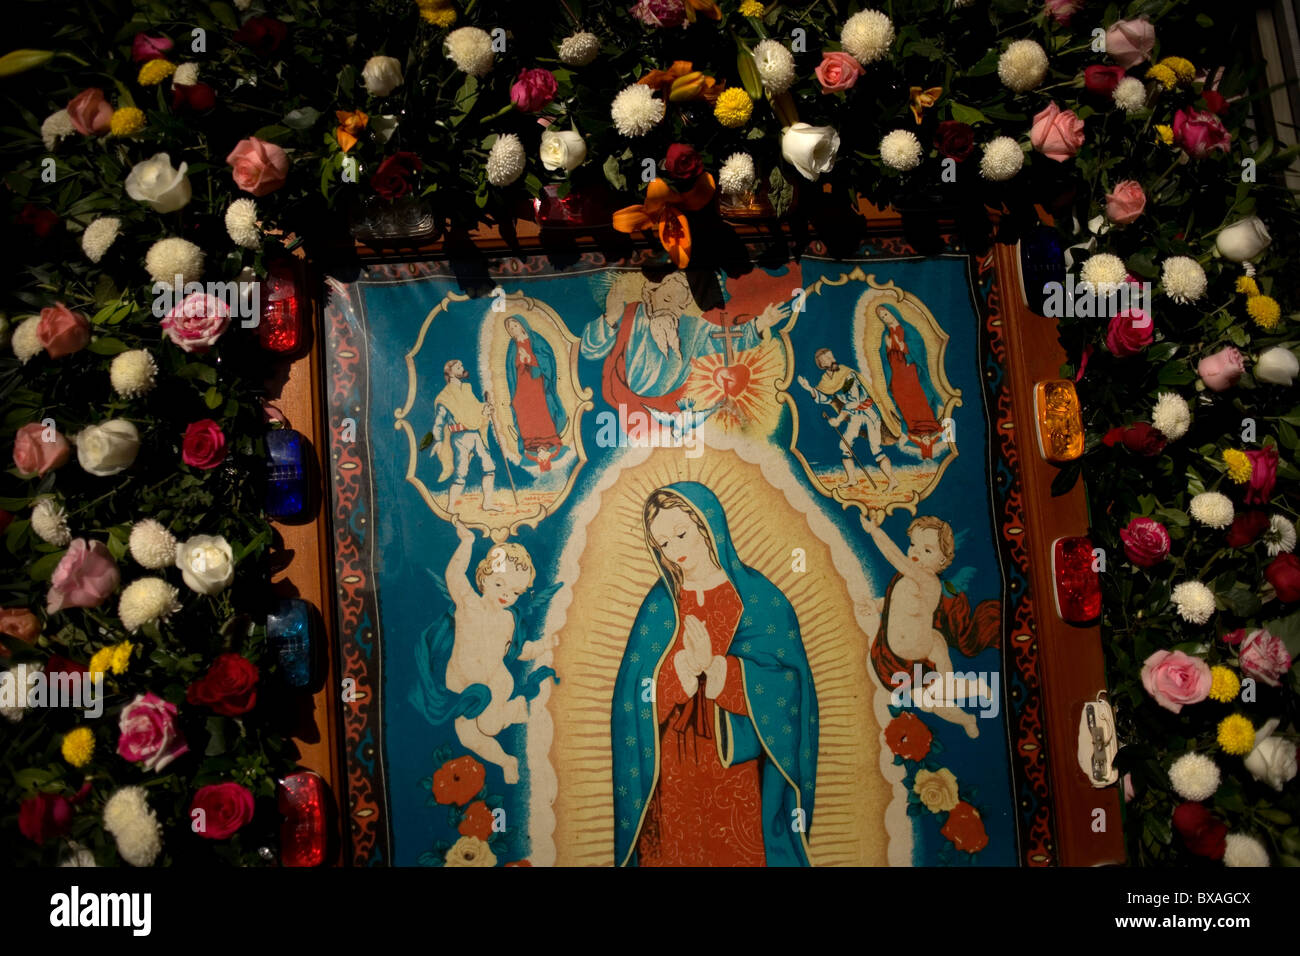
[903, 358]
[714, 715]
[539, 417]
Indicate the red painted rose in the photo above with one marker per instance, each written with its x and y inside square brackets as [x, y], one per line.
[228, 688]
[908, 737]
[458, 781]
[204, 444]
[226, 807]
[477, 822]
[965, 828]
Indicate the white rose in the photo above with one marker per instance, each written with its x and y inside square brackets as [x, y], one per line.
[206, 562]
[1277, 366]
[810, 149]
[108, 448]
[1273, 761]
[155, 183]
[562, 150]
[382, 75]
[1243, 240]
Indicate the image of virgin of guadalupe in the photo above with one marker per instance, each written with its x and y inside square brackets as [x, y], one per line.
[539, 417]
[907, 378]
[717, 766]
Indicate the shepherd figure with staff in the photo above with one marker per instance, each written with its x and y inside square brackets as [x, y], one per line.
[460, 432]
[846, 392]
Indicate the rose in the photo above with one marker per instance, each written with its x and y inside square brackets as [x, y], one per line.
[196, 322]
[1243, 240]
[810, 149]
[1199, 133]
[1273, 761]
[149, 48]
[156, 184]
[965, 829]
[1263, 655]
[470, 851]
[1277, 366]
[228, 688]
[533, 90]
[194, 96]
[225, 808]
[1129, 332]
[262, 35]
[1246, 527]
[41, 220]
[1222, 369]
[937, 790]
[1233, 638]
[1125, 202]
[660, 13]
[682, 162]
[1174, 679]
[381, 75]
[204, 444]
[149, 733]
[1215, 102]
[954, 140]
[85, 576]
[20, 624]
[34, 454]
[477, 822]
[90, 113]
[43, 816]
[908, 736]
[1102, 80]
[1062, 10]
[1146, 542]
[838, 72]
[108, 448]
[6, 519]
[1263, 475]
[458, 781]
[1200, 832]
[1139, 438]
[562, 149]
[392, 179]
[1129, 42]
[62, 331]
[1283, 572]
[207, 563]
[1056, 134]
[258, 167]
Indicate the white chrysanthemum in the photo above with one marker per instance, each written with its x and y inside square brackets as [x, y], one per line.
[579, 49]
[1022, 65]
[1130, 94]
[1103, 272]
[1171, 415]
[900, 149]
[187, 74]
[134, 826]
[1212, 509]
[99, 235]
[867, 35]
[78, 855]
[1242, 850]
[1194, 601]
[470, 49]
[775, 65]
[1280, 536]
[1002, 159]
[1194, 777]
[145, 601]
[50, 523]
[152, 544]
[132, 373]
[168, 258]
[636, 111]
[241, 224]
[57, 126]
[26, 340]
[505, 162]
[14, 685]
[738, 176]
[1183, 279]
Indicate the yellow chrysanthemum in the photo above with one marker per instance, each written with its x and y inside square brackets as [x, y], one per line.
[1224, 684]
[751, 8]
[1165, 134]
[121, 657]
[733, 108]
[1238, 465]
[1264, 310]
[1181, 68]
[126, 121]
[1236, 735]
[154, 72]
[1163, 75]
[438, 12]
[78, 746]
[1247, 285]
[101, 661]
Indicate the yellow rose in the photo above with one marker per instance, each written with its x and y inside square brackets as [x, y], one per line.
[470, 851]
[937, 789]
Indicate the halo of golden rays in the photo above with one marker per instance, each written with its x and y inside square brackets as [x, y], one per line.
[753, 408]
[848, 822]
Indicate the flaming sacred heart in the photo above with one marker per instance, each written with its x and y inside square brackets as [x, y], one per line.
[732, 379]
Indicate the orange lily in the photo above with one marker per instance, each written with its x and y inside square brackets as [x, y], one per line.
[923, 99]
[658, 79]
[706, 7]
[350, 125]
[664, 210]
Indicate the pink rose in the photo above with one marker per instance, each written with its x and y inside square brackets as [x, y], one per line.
[62, 331]
[149, 48]
[1264, 657]
[1199, 133]
[533, 90]
[1125, 202]
[1174, 679]
[259, 167]
[1263, 475]
[197, 322]
[1222, 369]
[149, 733]
[1129, 42]
[1146, 542]
[1129, 332]
[85, 577]
[1056, 134]
[1062, 10]
[90, 112]
[204, 444]
[226, 807]
[838, 71]
[34, 455]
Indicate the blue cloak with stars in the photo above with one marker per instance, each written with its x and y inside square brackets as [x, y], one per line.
[780, 730]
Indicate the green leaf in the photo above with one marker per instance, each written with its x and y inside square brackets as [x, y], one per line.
[967, 114]
[225, 15]
[212, 398]
[112, 313]
[1140, 264]
[613, 174]
[779, 192]
[216, 737]
[107, 346]
[43, 568]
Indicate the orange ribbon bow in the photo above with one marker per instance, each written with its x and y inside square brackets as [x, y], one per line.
[664, 210]
[350, 125]
[924, 99]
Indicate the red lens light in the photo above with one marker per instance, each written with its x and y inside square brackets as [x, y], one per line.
[301, 797]
[1078, 585]
[280, 329]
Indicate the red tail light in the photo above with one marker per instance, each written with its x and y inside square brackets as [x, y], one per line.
[282, 308]
[1078, 585]
[302, 799]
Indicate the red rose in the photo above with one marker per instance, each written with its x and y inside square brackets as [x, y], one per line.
[908, 737]
[1102, 80]
[262, 35]
[458, 781]
[1283, 572]
[225, 808]
[1263, 475]
[1215, 101]
[228, 688]
[1146, 542]
[1129, 332]
[6, 519]
[41, 220]
[682, 162]
[58, 664]
[1202, 834]
[392, 179]
[1140, 438]
[1200, 133]
[1233, 638]
[195, 96]
[204, 444]
[533, 90]
[954, 140]
[1246, 527]
[477, 822]
[149, 48]
[965, 828]
[44, 816]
